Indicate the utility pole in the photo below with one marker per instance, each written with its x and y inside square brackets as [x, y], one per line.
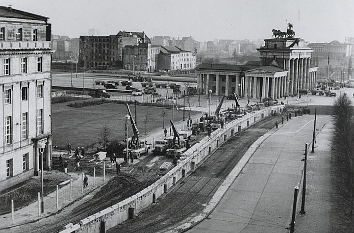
[135, 112]
[42, 180]
[184, 106]
[314, 135]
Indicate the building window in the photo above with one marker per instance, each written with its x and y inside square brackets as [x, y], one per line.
[24, 65]
[8, 96]
[24, 129]
[25, 162]
[7, 66]
[24, 91]
[35, 35]
[9, 168]
[39, 64]
[19, 34]
[40, 121]
[8, 130]
[40, 91]
[2, 33]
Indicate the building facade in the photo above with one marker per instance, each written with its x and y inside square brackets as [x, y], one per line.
[136, 57]
[102, 52]
[25, 111]
[174, 58]
[153, 57]
[285, 69]
[333, 60]
[99, 52]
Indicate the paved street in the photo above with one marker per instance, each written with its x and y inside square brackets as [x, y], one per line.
[326, 209]
[260, 199]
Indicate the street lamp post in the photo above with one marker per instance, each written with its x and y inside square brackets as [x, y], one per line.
[210, 91]
[42, 180]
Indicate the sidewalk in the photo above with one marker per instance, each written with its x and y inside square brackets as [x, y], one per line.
[67, 194]
[260, 198]
[325, 207]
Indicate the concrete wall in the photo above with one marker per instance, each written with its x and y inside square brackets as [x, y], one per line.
[191, 159]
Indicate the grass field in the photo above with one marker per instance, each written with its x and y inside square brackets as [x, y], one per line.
[82, 126]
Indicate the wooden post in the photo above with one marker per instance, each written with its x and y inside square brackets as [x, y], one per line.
[303, 197]
[292, 223]
[71, 190]
[94, 176]
[314, 134]
[39, 204]
[104, 171]
[12, 211]
[57, 197]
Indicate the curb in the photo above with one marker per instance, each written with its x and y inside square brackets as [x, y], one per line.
[219, 194]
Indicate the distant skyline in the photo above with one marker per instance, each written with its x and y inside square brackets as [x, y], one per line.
[204, 20]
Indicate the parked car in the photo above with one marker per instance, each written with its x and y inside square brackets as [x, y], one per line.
[137, 93]
[99, 94]
[110, 86]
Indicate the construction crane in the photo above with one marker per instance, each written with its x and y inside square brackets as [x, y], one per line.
[237, 104]
[134, 143]
[175, 135]
[217, 111]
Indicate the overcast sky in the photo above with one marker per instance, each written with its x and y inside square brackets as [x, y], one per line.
[313, 20]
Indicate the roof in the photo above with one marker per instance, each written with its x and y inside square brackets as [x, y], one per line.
[141, 35]
[172, 49]
[265, 70]
[228, 67]
[9, 12]
[219, 67]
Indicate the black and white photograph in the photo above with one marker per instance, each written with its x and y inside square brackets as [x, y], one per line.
[162, 116]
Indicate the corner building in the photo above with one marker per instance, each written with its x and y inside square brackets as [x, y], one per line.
[25, 101]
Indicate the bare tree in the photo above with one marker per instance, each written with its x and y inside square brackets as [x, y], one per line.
[105, 136]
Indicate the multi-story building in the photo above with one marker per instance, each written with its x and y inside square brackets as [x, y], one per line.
[99, 52]
[333, 60]
[174, 58]
[25, 111]
[135, 57]
[65, 48]
[286, 67]
[153, 57]
[160, 40]
[102, 52]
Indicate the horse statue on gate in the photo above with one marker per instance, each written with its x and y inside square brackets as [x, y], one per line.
[288, 34]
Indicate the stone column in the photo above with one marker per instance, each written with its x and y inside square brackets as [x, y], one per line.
[296, 76]
[217, 77]
[272, 88]
[227, 85]
[237, 89]
[264, 87]
[267, 88]
[207, 88]
[305, 74]
[254, 91]
[292, 71]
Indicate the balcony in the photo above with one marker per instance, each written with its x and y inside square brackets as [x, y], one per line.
[25, 45]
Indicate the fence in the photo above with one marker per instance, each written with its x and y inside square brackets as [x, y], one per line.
[65, 193]
[127, 208]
